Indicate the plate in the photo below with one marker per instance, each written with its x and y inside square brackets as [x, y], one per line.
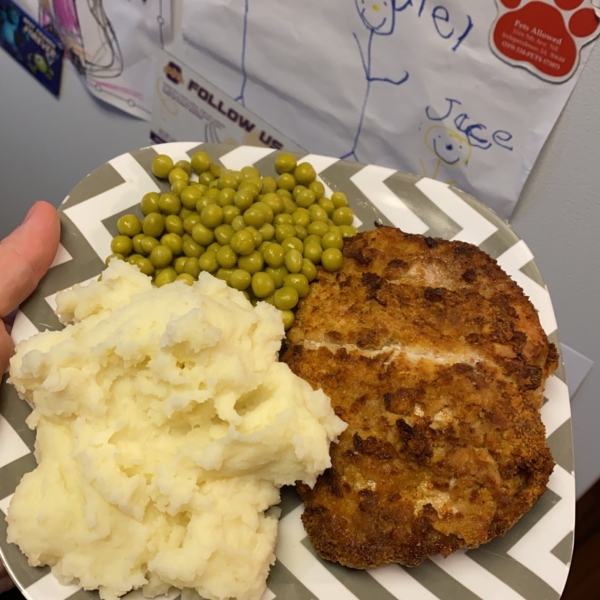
[530, 563]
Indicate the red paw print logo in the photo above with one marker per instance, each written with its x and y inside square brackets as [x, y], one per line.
[544, 36]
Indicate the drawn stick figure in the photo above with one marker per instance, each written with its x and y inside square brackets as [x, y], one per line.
[379, 19]
[448, 146]
[240, 97]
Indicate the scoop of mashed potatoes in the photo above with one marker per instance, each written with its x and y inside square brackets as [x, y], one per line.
[165, 428]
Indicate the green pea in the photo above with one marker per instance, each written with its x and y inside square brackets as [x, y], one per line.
[129, 225]
[145, 266]
[186, 278]
[174, 224]
[252, 187]
[121, 244]
[178, 173]
[286, 297]
[296, 192]
[288, 318]
[343, 216]
[206, 178]
[192, 267]
[318, 228]
[161, 256]
[293, 261]
[162, 165]
[317, 188]
[173, 242]
[202, 235]
[332, 259]
[266, 210]
[149, 203]
[223, 234]
[216, 170]
[112, 257]
[305, 198]
[348, 231]
[289, 206]
[226, 257]
[166, 276]
[148, 244]
[204, 202]
[178, 186]
[269, 185]
[277, 274]
[224, 274]
[189, 196]
[274, 201]
[299, 282]
[190, 222]
[184, 212]
[256, 234]
[285, 162]
[226, 196]
[243, 242]
[192, 248]
[292, 242]
[286, 181]
[227, 180]
[240, 279]
[317, 213]
[263, 247]
[283, 194]
[327, 205]
[305, 174]
[243, 199]
[301, 217]
[179, 263]
[185, 165]
[200, 162]
[312, 238]
[169, 203]
[283, 219]
[283, 231]
[214, 247]
[133, 259]
[274, 255]
[332, 239]
[211, 216]
[208, 261]
[230, 212]
[250, 171]
[262, 285]
[254, 216]
[313, 252]
[213, 193]
[153, 225]
[301, 232]
[267, 231]
[308, 269]
[253, 263]
[200, 186]
[339, 199]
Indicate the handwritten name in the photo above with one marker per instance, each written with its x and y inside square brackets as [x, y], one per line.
[474, 131]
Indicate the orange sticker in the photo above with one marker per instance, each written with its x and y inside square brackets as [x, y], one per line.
[544, 36]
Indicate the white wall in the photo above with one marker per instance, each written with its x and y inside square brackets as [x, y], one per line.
[48, 145]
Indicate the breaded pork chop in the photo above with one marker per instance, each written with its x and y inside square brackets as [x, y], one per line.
[437, 361]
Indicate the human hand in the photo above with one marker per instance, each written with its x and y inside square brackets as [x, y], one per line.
[25, 256]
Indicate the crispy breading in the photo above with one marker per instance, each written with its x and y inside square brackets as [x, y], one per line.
[436, 360]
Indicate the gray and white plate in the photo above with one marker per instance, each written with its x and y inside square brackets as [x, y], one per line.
[530, 563]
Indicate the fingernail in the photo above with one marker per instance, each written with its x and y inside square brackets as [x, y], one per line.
[30, 213]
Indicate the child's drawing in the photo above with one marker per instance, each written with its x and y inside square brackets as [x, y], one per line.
[240, 97]
[448, 146]
[379, 19]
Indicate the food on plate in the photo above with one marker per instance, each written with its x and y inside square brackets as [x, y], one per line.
[437, 361]
[251, 231]
[165, 427]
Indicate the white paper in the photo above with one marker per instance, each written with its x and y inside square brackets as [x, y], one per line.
[111, 44]
[411, 84]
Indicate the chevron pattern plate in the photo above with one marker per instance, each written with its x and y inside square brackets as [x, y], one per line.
[530, 563]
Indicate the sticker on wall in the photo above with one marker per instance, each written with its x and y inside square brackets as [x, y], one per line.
[31, 45]
[544, 36]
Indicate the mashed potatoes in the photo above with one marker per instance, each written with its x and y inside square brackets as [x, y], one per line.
[165, 427]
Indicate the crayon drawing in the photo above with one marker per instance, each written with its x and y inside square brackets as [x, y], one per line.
[449, 148]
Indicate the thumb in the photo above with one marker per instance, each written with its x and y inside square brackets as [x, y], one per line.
[26, 254]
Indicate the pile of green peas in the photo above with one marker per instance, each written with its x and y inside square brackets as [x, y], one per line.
[264, 236]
